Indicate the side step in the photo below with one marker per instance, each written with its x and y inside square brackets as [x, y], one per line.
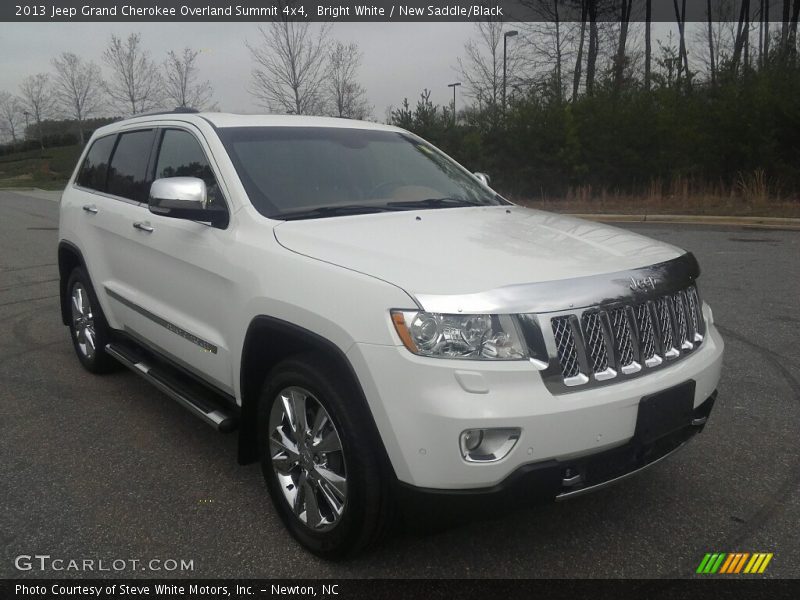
[197, 400]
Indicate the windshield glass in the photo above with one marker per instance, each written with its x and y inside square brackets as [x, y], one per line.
[292, 172]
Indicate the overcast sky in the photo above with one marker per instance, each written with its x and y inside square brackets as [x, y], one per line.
[400, 59]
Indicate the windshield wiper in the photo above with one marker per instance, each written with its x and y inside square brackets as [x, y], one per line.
[435, 203]
[331, 211]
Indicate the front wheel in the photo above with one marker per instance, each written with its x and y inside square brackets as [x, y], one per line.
[320, 458]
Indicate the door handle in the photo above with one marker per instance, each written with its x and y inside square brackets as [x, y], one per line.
[143, 227]
[90, 208]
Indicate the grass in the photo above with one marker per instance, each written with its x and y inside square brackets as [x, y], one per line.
[47, 169]
[749, 196]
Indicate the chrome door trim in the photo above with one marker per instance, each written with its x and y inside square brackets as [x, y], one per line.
[198, 341]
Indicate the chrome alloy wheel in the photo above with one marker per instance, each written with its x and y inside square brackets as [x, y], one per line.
[307, 458]
[83, 321]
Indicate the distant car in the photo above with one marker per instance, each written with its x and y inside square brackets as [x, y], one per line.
[383, 328]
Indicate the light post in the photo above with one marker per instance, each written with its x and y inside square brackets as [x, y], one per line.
[506, 35]
[27, 116]
[454, 86]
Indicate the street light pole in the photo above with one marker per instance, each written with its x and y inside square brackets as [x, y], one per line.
[506, 35]
[454, 86]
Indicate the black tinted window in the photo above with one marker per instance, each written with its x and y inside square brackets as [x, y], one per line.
[128, 174]
[95, 165]
[181, 156]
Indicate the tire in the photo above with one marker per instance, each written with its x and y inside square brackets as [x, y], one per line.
[88, 327]
[334, 519]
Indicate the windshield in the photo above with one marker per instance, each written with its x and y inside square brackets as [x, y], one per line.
[312, 172]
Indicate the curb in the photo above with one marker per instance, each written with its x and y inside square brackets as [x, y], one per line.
[760, 222]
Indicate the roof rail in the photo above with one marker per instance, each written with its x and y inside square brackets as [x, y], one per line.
[177, 110]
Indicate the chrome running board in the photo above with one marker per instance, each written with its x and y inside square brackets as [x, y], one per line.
[200, 403]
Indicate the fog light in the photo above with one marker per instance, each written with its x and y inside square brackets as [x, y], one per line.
[488, 445]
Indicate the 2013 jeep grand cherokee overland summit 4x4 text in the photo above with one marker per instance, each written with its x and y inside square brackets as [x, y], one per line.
[383, 329]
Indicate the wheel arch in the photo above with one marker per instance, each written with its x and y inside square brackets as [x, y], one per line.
[69, 257]
[267, 342]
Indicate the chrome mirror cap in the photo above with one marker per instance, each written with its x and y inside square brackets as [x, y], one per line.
[178, 193]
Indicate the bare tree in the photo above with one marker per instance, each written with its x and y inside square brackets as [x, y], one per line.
[348, 96]
[576, 78]
[135, 85]
[482, 66]
[181, 87]
[549, 40]
[10, 115]
[78, 87]
[291, 69]
[38, 99]
[683, 64]
[648, 49]
[621, 56]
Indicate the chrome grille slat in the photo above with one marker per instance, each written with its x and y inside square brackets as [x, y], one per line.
[680, 317]
[694, 313]
[646, 333]
[596, 344]
[622, 336]
[665, 326]
[565, 346]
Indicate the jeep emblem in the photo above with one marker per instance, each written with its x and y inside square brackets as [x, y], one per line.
[641, 285]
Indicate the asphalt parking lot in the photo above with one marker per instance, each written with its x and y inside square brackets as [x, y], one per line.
[107, 467]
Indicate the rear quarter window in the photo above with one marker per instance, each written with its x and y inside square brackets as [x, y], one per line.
[95, 166]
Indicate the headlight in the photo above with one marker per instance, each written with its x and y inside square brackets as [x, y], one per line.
[475, 337]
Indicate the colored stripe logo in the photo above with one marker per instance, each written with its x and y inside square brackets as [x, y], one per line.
[732, 563]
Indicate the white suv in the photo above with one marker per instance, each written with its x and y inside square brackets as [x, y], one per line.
[383, 329]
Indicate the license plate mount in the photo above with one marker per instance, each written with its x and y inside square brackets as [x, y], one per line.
[665, 412]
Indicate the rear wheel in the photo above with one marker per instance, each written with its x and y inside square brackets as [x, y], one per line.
[320, 458]
[88, 327]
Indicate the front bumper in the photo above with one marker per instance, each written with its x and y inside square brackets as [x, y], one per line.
[421, 406]
[545, 481]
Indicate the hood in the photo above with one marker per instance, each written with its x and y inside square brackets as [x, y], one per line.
[471, 249]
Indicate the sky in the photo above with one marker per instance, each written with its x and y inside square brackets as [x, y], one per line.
[400, 59]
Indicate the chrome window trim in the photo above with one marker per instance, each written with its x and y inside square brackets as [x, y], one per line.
[550, 296]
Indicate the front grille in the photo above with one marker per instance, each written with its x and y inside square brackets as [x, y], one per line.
[602, 343]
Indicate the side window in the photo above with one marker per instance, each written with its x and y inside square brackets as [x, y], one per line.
[181, 155]
[95, 166]
[127, 176]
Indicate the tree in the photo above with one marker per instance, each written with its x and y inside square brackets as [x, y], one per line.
[621, 57]
[135, 85]
[648, 49]
[348, 97]
[10, 115]
[482, 67]
[38, 99]
[78, 88]
[181, 87]
[291, 69]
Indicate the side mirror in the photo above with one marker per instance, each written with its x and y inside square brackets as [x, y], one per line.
[483, 178]
[185, 198]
